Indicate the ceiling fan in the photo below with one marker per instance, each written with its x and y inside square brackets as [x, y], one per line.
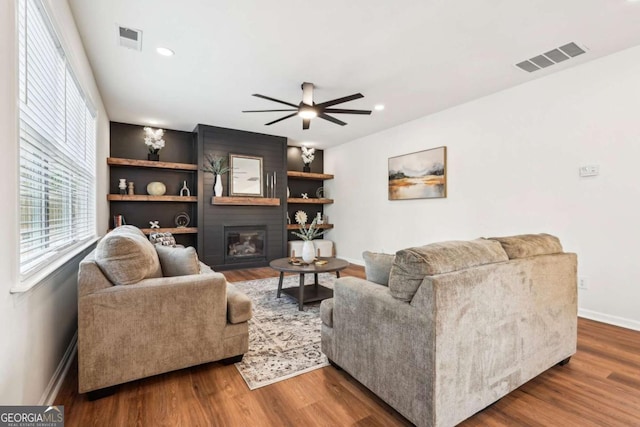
[307, 109]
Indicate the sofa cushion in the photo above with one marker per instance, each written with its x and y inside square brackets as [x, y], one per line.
[178, 261]
[526, 245]
[238, 305]
[126, 257]
[413, 264]
[377, 267]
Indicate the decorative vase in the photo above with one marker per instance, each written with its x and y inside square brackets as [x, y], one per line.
[154, 157]
[306, 167]
[156, 188]
[217, 188]
[308, 251]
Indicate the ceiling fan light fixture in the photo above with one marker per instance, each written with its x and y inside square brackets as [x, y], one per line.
[307, 112]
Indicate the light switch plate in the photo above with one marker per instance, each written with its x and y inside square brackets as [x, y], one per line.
[589, 170]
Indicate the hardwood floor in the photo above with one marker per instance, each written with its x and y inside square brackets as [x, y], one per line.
[599, 387]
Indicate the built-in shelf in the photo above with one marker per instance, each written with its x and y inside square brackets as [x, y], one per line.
[310, 201]
[148, 198]
[176, 230]
[245, 201]
[309, 175]
[116, 161]
[296, 227]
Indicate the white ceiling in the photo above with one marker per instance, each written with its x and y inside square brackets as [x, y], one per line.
[414, 56]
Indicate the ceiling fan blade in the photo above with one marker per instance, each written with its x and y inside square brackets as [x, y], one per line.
[344, 111]
[331, 119]
[281, 119]
[266, 111]
[306, 123]
[340, 100]
[307, 93]
[275, 100]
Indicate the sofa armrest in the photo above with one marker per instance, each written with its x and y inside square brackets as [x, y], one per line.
[386, 343]
[146, 327]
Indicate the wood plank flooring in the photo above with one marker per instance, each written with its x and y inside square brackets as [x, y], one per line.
[599, 387]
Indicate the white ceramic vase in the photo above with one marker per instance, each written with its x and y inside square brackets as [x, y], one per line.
[308, 251]
[217, 188]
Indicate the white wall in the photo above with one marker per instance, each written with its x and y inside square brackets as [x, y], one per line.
[513, 161]
[35, 327]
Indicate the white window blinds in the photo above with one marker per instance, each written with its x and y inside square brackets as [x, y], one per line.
[57, 146]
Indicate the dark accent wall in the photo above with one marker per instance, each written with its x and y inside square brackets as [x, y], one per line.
[127, 141]
[222, 142]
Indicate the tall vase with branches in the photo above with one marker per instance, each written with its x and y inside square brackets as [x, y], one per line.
[216, 165]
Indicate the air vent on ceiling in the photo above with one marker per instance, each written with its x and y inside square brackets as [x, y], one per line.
[129, 38]
[552, 57]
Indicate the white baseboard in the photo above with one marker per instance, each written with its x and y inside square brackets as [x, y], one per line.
[353, 260]
[607, 318]
[59, 375]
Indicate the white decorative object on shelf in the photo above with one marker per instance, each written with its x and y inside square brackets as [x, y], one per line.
[154, 224]
[156, 188]
[305, 195]
[153, 140]
[307, 158]
[122, 185]
[184, 191]
[217, 188]
[319, 219]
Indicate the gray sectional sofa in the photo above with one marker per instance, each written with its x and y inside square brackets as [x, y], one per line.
[459, 325]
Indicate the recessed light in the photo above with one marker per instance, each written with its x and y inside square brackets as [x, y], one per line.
[379, 107]
[165, 51]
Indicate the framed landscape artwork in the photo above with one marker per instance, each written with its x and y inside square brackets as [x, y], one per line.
[421, 175]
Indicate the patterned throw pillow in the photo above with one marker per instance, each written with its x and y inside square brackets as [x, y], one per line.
[164, 239]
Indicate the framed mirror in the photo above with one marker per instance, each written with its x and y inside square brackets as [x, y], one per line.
[246, 175]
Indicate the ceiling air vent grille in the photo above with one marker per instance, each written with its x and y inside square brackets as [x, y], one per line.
[129, 38]
[552, 57]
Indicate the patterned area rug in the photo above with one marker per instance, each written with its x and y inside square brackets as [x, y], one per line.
[283, 342]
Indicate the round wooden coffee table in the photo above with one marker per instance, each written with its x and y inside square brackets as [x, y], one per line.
[312, 292]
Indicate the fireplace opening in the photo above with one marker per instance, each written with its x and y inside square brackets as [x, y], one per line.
[243, 243]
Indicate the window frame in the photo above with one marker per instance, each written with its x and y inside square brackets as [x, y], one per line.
[72, 244]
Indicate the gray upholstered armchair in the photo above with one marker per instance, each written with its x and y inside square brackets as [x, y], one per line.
[133, 322]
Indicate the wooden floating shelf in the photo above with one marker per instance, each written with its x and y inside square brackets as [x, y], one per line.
[309, 175]
[245, 201]
[322, 226]
[148, 198]
[310, 201]
[116, 161]
[176, 230]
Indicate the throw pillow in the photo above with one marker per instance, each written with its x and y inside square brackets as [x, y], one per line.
[377, 267]
[165, 239]
[126, 257]
[178, 261]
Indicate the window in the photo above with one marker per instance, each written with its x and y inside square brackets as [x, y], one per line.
[57, 147]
